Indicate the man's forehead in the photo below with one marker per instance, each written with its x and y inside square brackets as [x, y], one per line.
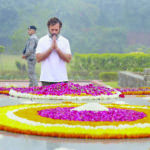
[54, 25]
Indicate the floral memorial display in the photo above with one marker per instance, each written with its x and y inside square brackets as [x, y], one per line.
[72, 91]
[91, 120]
[76, 120]
[65, 91]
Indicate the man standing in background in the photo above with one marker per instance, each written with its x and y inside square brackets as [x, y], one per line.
[29, 55]
[53, 51]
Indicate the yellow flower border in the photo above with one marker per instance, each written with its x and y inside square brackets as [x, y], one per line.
[31, 123]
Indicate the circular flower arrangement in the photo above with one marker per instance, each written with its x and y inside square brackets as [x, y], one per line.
[65, 91]
[76, 121]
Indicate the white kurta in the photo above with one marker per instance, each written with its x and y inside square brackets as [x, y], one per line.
[53, 68]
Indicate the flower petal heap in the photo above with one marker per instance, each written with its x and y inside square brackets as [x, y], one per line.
[113, 114]
[66, 91]
[73, 91]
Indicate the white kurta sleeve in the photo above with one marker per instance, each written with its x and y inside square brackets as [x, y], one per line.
[39, 48]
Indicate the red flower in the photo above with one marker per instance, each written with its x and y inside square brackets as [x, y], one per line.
[122, 95]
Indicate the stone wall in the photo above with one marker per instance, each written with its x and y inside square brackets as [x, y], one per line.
[147, 77]
[133, 80]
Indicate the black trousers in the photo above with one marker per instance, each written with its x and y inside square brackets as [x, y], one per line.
[50, 83]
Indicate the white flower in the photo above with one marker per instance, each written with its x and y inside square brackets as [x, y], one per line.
[92, 107]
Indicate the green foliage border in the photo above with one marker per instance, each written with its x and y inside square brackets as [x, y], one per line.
[89, 66]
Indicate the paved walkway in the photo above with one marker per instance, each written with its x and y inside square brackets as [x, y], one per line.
[14, 83]
[22, 83]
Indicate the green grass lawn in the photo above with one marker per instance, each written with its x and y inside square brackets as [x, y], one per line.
[112, 84]
[8, 63]
[9, 70]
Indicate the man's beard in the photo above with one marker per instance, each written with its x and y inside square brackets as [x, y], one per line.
[54, 34]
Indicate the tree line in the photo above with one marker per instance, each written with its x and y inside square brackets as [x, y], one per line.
[96, 26]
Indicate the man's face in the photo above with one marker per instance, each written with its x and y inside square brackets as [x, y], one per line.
[54, 29]
[31, 31]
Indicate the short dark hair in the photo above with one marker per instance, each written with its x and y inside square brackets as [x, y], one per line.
[32, 27]
[54, 21]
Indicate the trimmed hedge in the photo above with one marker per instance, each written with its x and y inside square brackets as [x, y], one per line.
[108, 76]
[89, 66]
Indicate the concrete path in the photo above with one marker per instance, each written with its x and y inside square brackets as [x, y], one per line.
[22, 83]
